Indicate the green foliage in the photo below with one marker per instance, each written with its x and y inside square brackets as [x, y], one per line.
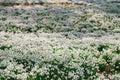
[117, 50]
[101, 47]
[117, 66]
[3, 66]
[3, 47]
[11, 28]
[107, 58]
[27, 63]
[30, 78]
[3, 19]
[17, 13]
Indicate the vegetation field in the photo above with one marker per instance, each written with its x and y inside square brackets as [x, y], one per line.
[59, 40]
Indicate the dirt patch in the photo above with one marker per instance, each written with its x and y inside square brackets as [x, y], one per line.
[40, 3]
